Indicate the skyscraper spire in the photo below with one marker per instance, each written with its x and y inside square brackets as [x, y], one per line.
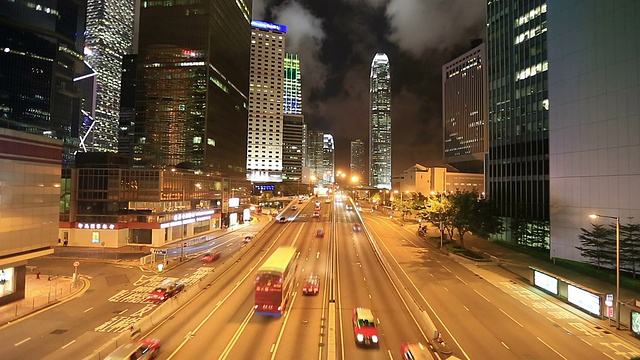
[380, 123]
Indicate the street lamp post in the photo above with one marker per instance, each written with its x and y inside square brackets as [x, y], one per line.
[617, 300]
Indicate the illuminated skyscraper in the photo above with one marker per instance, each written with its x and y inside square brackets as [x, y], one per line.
[380, 123]
[518, 166]
[109, 38]
[464, 110]
[265, 130]
[292, 85]
[40, 58]
[358, 163]
[192, 85]
[328, 159]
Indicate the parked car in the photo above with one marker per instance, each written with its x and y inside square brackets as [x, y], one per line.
[210, 257]
[311, 285]
[139, 350]
[320, 233]
[167, 289]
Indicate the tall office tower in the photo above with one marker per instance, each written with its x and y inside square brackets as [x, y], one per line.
[292, 85]
[42, 55]
[315, 145]
[109, 38]
[594, 122]
[380, 123]
[193, 85]
[358, 163]
[127, 122]
[328, 159]
[264, 140]
[293, 143]
[464, 110]
[518, 168]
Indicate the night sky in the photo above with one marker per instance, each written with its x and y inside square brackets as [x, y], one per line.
[337, 39]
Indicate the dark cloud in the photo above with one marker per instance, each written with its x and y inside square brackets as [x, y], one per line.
[337, 40]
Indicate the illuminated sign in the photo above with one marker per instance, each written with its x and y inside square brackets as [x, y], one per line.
[264, 25]
[545, 282]
[234, 202]
[264, 176]
[95, 237]
[192, 214]
[635, 323]
[96, 226]
[265, 187]
[177, 223]
[246, 215]
[584, 300]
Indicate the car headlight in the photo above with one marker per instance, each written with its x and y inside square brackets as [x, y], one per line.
[374, 338]
[360, 337]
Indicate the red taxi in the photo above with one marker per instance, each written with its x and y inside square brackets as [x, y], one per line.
[167, 289]
[415, 351]
[209, 257]
[311, 286]
[364, 327]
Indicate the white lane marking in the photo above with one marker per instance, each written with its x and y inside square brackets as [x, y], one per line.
[505, 345]
[22, 342]
[68, 344]
[370, 296]
[318, 255]
[390, 356]
[89, 309]
[444, 267]
[284, 324]
[481, 295]
[462, 280]
[237, 334]
[272, 347]
[123, 311]
[365, 279]
[378, 320]
[509, 316]
[554, 350]
[466, 308]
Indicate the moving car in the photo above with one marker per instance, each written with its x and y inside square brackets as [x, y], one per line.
[316, 214]
[247, 239]
[300, 201]
[317, 208]
[415, 351]
[167, 289]
[294, 207]
[209, 257]
[348, 207]
[327, 201]
[311, 286]
[320, 233]
[139, 350]
[364, 327]
[357, 227]
[282, 220]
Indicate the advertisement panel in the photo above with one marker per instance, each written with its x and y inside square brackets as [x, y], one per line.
[545, 282]
[635, 323]
[584, 300]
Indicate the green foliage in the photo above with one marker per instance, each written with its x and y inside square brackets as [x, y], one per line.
[598, 245]
[462, 211]
[629, 247]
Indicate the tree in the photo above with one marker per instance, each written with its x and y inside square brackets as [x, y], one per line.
[598, 245]
[473, 214]
[439, 210]
[629, 247]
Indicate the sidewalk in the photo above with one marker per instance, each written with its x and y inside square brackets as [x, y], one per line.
[518, 264]
[40, 293]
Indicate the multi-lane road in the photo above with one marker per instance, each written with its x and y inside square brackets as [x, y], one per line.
[482, 314]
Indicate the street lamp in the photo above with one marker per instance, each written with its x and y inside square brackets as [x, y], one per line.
[617, 302]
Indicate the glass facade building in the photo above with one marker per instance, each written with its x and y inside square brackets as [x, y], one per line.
[192, 85]
[380, 123]
[293, 145]
[292, 85]
[328, 159]
[109, 37]
[358, 161]
[41, 55]
[266, 96]
[518, 161]
[464, 110]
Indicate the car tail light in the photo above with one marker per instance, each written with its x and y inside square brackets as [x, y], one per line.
[279, 308]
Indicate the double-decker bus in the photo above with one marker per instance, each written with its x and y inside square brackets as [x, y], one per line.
[275, 281]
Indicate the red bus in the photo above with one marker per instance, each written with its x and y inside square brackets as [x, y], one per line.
[275, 281]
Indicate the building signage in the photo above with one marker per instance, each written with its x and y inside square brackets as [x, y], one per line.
[264, 25]
[96, 226]
[192, 214]
[545, 282]
[265, 187]
[234, 202]
[635, 323]
[583, 299]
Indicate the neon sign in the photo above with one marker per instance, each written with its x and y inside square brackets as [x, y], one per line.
[264, 25]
